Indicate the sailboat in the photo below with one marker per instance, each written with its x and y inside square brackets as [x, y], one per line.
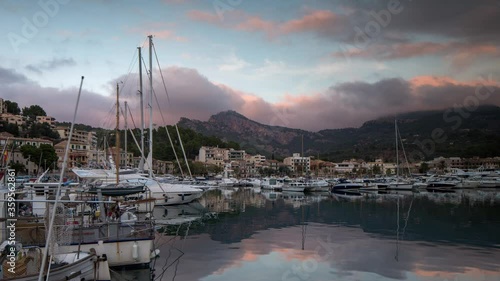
[162, 193]
[398, 184]
[118, 188]
[33, 263]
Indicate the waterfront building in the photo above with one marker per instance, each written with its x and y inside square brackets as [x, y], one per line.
[298, 164]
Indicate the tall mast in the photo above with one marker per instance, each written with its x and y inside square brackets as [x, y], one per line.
[397, 152]
[58, 191]
[150, 101]
[302, 151]
[142, 104]
[126, 132]
[117, 160]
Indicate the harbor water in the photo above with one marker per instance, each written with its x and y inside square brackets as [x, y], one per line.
[246, 234]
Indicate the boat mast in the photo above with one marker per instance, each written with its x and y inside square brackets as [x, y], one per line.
[58, 191]
[150, 103]
[117, 160]
[142, 106]
[126, 132]
[397, 153]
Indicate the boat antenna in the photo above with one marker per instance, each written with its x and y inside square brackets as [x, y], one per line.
[58, 191]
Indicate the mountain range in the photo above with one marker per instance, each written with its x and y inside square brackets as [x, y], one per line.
[462, 132]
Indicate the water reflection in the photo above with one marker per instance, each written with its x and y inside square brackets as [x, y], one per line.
[252, 235]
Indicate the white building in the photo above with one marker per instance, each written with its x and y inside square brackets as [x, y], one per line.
[235, 155]
[13, 119]
[212, 155]
[46, 119]
[256, 159]
[347, 167]
[90, 138]
[3, 106]
[298, 164]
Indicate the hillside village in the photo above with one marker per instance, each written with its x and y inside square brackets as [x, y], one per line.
[32, 151]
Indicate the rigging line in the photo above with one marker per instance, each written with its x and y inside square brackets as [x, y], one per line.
[111, 110]
[169, 104]
[129, 71]
[131, 116]
[133, 136]
[161, 74]
[166, 129]
[404, 153]
[183, 151]
[181, 250]
[166, 266]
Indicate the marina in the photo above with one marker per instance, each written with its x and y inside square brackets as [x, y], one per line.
[249, 140]
[136, 234]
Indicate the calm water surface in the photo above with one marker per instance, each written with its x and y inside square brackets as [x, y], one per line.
[248, 235]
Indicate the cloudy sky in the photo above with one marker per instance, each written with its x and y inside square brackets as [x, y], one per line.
[304, 64]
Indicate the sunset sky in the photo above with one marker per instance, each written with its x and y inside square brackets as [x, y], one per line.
[303, 64]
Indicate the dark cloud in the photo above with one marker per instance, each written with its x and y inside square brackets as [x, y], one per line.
[471, 20]
[9, 76]
[59, 103]
[192, 95]
[53, 64]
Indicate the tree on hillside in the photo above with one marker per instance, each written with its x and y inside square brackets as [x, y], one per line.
[37, 130]
[18, 167]
[34, 111]
[9, 128]
[44, 155]
[12, 107]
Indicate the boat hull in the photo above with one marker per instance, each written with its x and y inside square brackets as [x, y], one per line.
[400, 186]
[83, 269]
[293, 188]
[175, 198]
[119, 253]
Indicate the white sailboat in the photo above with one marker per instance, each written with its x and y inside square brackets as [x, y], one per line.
[34, 263]
[398, 184]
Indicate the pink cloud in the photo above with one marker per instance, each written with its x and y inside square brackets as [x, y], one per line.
[319, 21]
[203, 16]
[458, 53]
[255, 24]
[441, 81]
[315, 20]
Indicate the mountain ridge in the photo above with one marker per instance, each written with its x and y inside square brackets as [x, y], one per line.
[373, 139]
